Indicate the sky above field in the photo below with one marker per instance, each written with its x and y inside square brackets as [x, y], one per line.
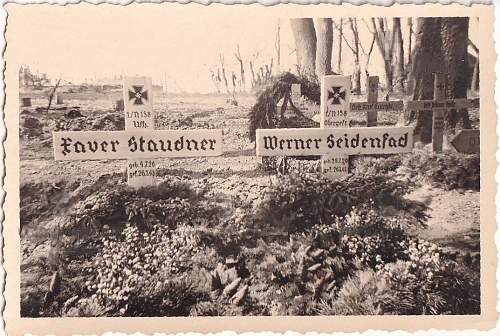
[179, 44]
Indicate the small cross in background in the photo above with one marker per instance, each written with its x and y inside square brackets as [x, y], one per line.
[440, 87]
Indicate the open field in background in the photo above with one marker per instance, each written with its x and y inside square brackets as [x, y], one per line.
[228, 246]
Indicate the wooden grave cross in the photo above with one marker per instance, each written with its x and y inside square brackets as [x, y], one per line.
[437, 107]
[140, 144]
[335, 141]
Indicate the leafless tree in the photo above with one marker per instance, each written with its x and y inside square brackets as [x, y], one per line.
[223, 70]
[339, 49]
[238, 57]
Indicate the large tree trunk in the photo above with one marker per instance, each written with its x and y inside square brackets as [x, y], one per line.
[440, 47]
[426, 61]
[455, 34]
[385, 43]
[305, 45]
[399, 56]
[324, 35]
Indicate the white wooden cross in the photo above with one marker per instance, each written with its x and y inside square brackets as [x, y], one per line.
[140, 144]
[335, 141]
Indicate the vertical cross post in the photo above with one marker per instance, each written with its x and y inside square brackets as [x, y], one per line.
[438, 114]
[372, 93]
[335, 109]
[295, 94]
[59, 99]
[138, 104]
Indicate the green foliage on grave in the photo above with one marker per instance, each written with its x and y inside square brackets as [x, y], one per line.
[351, 258]
[327, 270]
[299, 201]
[169, 204]
[264, 114]
[448, 170]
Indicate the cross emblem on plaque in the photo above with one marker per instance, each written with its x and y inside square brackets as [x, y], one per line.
[140, 144]
[139, 95]
[335, 140]
[335, 95]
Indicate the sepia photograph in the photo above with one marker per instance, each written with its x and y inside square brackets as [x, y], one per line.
[293, 165]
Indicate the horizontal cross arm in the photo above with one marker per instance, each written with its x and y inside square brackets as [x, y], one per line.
[396, 105]
[330, 141]
[460, 103]
[399, 105]
[135, 144]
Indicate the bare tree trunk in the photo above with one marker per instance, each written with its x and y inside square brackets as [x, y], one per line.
[242, 70]
[455, 35]
[440, 47]
[355, 49]
[305, 45]
[221, 59]
[254, 80]
[409, 80]
[410, 35]
[339, 60]
[324, 35]
[385, 43]
[399, 57]
[426, 61]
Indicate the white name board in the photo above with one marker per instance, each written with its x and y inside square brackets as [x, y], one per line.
[136, 144]
[332, 142]
[334, 110]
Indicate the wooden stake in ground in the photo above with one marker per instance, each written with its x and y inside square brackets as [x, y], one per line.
[438, 114]
[296, 94]
[138, 103]
[334, 110]
[372, 93]
[51, 96]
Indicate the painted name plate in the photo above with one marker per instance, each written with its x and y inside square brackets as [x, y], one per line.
[347, 141]
[444, 104]
[397, 105]
[100, 145]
